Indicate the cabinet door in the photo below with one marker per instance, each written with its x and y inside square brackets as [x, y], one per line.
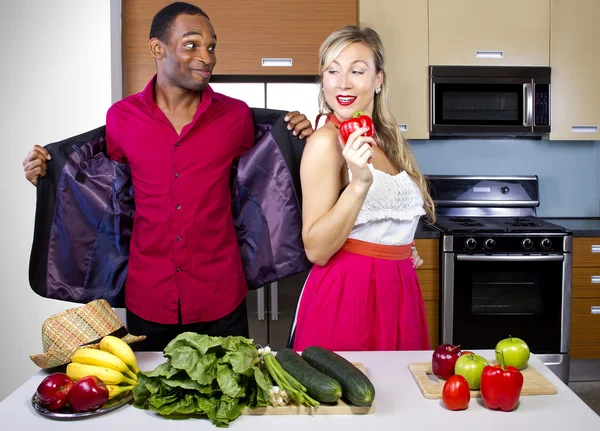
[255, 37]
[402, 26]
[586, 252]
[433, 322]
[585, 328]
[586, 283]
[575, 58]
[429, 250]
[489, 32]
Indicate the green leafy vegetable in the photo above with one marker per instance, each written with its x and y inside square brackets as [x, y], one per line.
[214, 376]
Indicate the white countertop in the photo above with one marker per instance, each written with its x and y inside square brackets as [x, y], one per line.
[399, 405]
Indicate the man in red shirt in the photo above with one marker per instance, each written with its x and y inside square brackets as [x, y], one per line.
[180, 139]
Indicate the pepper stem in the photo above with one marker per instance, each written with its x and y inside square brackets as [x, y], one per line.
[358, 114]
[501, 359]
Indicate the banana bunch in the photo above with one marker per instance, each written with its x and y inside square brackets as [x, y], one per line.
[114, 364]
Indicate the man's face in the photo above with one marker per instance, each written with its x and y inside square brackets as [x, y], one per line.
[188, 59]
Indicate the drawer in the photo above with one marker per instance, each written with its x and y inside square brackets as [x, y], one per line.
[586, 252]
[585, 328]
[433, 312]
[430, 283]
[429, 250]
[586, 282]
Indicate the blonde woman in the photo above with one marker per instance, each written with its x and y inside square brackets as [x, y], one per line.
[362, 201]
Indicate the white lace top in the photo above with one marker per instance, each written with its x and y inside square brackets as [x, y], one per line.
[391, 211]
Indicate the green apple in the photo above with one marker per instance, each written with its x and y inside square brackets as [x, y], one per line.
[470, 367]
[515, 351]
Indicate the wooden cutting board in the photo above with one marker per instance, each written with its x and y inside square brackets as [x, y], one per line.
[340, 408]
[431, 386]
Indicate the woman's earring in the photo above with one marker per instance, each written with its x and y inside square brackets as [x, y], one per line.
[378, 90]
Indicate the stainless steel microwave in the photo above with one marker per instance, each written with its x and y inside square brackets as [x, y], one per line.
[501, 101]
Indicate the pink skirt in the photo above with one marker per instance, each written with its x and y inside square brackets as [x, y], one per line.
[367, 297]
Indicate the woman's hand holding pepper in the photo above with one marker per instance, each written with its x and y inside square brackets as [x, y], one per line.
[358, 154]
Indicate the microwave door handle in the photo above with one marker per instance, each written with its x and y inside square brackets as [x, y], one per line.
[527, 104]
[432, 104]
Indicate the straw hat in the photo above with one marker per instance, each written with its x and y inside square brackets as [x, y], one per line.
[67, 331]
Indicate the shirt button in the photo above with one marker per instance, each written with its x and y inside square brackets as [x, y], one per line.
[178, 269]
[177, 207]
[179, 238]
[177, 144]
[176, 174]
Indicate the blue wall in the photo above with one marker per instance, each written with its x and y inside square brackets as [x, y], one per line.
[567, 170]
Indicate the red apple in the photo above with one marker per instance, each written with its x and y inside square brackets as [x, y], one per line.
[443, 360]
[53, 390]
[88, 394]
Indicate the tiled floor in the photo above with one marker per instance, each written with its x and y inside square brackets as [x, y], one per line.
[589, 392]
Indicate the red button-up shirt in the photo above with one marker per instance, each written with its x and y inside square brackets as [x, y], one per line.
[183, 246]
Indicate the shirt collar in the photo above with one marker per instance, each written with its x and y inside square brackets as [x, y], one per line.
[208, 95]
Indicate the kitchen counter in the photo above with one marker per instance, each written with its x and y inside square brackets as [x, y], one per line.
[399, 404]
[584, 226]
[425, 231]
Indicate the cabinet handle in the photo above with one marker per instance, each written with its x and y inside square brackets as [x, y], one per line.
[489, 54]
[403, 127]
[584, 129]
[595, 309]
[595, 248]
[277, 62]
[595, 279]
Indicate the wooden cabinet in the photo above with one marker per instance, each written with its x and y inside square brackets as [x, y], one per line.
[253, 35]
[575, 59]
[585, 302]
[477, 32]
[406, 48]
[430, 285]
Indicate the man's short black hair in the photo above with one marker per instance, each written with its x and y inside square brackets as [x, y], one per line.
[162, 23]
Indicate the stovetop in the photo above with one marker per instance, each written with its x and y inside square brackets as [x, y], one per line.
[494, 214]
[452, 224]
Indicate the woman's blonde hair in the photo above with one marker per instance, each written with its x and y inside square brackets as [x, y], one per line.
[388, 134]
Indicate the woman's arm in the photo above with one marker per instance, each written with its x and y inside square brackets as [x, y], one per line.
[327, 216]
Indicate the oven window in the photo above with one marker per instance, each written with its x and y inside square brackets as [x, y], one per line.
[479, 104]
[495, 299]
[503, 293]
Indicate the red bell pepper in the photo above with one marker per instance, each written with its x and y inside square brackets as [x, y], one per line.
[359, 120]
[501, 386]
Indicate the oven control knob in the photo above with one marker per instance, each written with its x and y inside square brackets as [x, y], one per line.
[489, 243]
[527, 244]
[546, 244]
[471, 243]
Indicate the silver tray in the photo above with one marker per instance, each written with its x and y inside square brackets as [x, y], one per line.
[67, 413]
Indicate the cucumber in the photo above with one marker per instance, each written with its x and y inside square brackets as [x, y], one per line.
[356, 387]
[318, 385]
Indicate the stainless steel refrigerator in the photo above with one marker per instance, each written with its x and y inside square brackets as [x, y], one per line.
[271, 310]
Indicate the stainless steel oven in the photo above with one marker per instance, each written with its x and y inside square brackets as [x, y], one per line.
[503, 271]
[489, 101]
[489, 295]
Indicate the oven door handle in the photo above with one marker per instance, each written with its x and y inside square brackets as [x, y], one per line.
[509, 258]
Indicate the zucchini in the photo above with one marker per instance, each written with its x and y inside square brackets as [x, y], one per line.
[356, 387]
[318, 385]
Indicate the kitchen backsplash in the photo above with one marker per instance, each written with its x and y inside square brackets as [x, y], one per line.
[567, 170]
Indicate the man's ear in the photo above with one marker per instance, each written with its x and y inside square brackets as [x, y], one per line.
[156, 48]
